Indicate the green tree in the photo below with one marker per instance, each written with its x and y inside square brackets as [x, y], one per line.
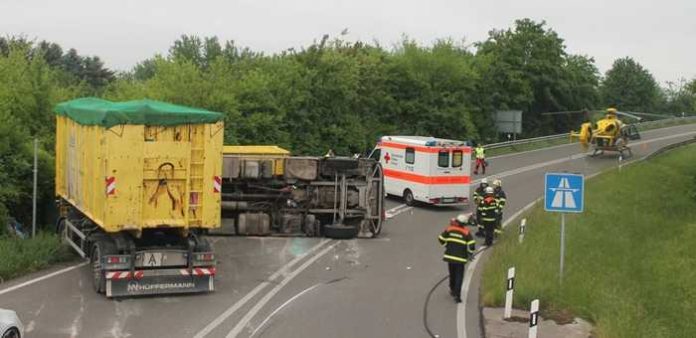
[630, 87]
[526, 67]
[680, 97]
[29, 89]
[433, 90]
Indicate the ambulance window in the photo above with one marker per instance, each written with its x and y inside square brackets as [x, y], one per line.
[457, 158]
[410, 156]
[376, 154]
[443, 159]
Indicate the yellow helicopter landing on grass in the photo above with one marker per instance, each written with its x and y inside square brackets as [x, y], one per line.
[608, 134]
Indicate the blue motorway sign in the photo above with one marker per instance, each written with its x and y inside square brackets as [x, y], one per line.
[564, 192]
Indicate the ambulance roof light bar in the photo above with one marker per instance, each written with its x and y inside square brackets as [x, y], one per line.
[424, 141]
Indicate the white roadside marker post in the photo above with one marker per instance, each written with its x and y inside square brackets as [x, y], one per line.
[508, 294]
[523, 226]
[533, 319]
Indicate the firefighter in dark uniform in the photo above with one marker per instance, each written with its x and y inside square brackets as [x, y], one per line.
[478, 193]
[501, 199]
[459, 248]
[487, 214]
[478, 197]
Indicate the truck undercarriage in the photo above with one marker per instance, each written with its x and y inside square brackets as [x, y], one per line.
[336, 197]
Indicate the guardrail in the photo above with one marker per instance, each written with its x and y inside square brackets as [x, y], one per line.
[641, 126]
[525, 141]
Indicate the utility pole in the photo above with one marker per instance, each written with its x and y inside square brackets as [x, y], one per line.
[33, 211]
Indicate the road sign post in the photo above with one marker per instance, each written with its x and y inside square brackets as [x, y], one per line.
[564, 193]
[560, 269]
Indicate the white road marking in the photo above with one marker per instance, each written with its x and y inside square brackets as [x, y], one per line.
[236, 306]
[260, 326]
[38, 279]
[397, 210]
[461, 307]
[249, 315]
[471, 268]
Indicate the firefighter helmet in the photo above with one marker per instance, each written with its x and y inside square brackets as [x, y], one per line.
[498, 183]
[489, 191]
[463, 219]
[484, 181]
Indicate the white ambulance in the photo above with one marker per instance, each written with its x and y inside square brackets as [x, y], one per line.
[426, 169]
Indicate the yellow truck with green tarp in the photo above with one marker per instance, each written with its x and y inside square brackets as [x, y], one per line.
[138, 183]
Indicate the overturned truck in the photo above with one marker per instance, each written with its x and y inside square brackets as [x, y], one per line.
[265, 191]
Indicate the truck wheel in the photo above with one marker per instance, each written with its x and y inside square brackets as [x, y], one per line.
[62, 229]
[100, 248]
[334, 231]
[408, 197]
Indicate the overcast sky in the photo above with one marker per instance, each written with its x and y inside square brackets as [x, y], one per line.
[661, 35]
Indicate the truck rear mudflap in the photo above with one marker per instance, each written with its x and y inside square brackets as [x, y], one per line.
[159, 281]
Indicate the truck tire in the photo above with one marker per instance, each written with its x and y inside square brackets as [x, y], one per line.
[102, 246]
[61, 229]
[408, 197]
[334, 231]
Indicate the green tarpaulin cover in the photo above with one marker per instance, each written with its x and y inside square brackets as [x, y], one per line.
[94, 111]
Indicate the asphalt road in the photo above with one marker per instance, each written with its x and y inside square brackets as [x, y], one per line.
[307, 287]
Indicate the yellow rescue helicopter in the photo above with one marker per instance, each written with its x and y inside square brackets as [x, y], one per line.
[608, 134]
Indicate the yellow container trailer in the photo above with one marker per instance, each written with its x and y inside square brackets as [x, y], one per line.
[138, 184]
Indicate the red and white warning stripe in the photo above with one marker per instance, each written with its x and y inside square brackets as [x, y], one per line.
[111, 185]
[217, 183]
[120, 275]
[199, 272]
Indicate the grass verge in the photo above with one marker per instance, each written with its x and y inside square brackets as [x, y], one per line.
[19, 257]
[630, 257]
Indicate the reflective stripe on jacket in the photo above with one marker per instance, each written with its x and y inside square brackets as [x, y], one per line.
[487, 210]
[459, 244]
[500, 197]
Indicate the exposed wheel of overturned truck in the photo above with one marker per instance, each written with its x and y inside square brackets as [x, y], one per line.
[101, 247]
[339, 231]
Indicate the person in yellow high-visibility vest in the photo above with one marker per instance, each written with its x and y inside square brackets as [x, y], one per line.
[480, 159]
